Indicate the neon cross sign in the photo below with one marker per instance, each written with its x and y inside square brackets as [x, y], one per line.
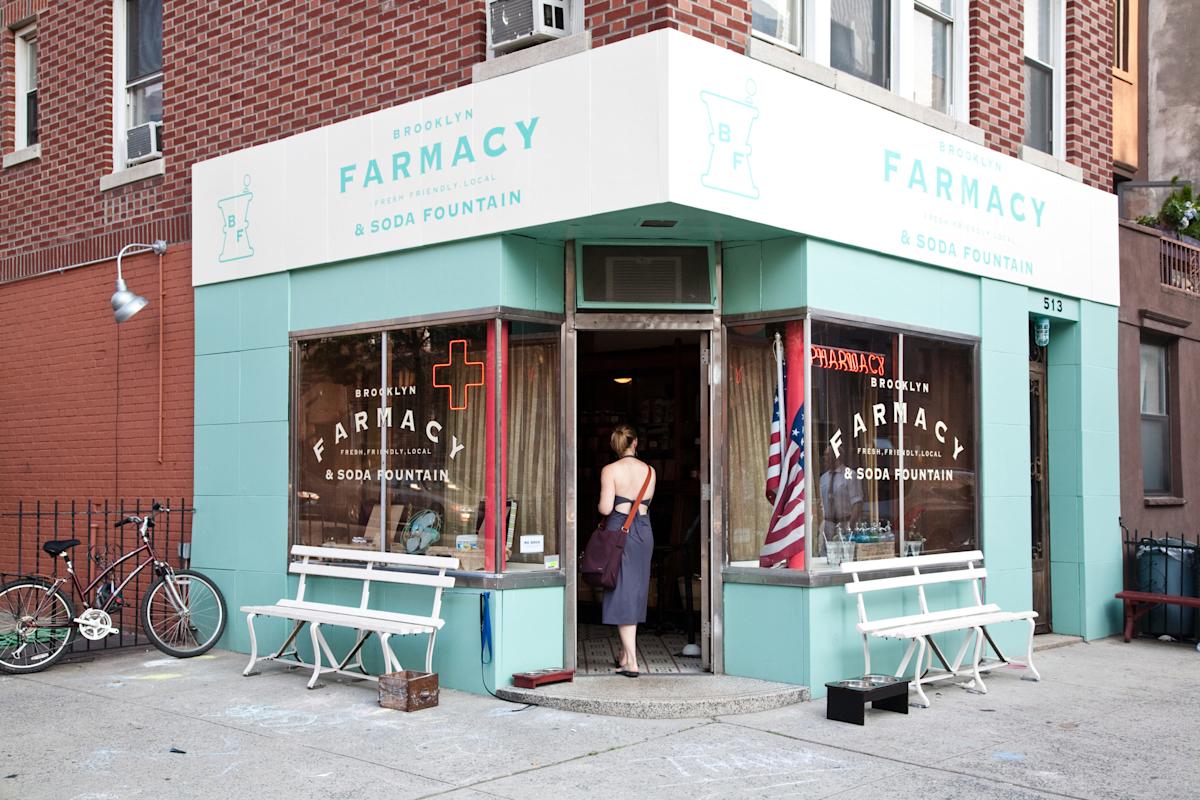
[463, 385]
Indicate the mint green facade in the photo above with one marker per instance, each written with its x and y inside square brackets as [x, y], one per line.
[777, 632]
[242, 438]
[1085, 553]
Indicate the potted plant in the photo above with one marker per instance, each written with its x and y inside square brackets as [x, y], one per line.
[1179, 214]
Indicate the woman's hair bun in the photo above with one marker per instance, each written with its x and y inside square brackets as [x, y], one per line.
[622, 437]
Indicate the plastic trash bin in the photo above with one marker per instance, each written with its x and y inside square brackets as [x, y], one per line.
[1168, 566]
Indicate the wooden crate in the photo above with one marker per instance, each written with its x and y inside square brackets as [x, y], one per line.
[408, 690]
[865, 551]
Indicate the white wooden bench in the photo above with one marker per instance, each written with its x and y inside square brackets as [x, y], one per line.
[919, 629]
[366, 567]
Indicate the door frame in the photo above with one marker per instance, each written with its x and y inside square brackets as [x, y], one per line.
[712, 430]
[1039, 467]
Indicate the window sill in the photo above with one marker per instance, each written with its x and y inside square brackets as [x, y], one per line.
[813, 579]
[22, 155]
[531, 56]
[140, 172]
[1032, 155]
[1158, 502]
[782, 57]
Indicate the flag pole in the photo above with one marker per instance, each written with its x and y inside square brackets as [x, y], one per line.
[777, 350]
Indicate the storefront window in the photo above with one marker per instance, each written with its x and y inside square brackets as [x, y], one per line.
[338, 458]
[890, 466]
[531, 525]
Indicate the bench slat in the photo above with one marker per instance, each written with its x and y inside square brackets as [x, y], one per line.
[903, 581]
[933, 616]
[396, 559]
[345, 620]
[908, 562]
[360, 573]
[411, 619]
[947, 625]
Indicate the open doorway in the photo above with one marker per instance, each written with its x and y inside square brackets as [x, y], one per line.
[652, 381]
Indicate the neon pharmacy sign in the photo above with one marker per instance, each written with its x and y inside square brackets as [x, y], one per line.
[845, 360]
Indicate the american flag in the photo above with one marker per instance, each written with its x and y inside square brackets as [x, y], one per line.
[785, 532]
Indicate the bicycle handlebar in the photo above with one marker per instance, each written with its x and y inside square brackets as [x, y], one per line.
[156, 508]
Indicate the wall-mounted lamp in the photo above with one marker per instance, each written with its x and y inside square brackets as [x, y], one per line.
[124, 302]
[1041, 331]
[622, 381]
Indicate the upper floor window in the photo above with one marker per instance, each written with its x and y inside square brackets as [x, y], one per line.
[1156, 418]
[779, 20]
[860, 39]
[933, 53]
[140, 81]
[1121, 34]
[27, 88]
[1041, 54]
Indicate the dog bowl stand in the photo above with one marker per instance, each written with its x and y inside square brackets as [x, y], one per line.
[847, 703]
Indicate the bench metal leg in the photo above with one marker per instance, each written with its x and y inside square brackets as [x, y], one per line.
[866, 655]
[319, 644]
[900, 670]
[390, 662]
[250, 670]
[1033, 675]
[429, 652]
[976, 684]
[920, 643]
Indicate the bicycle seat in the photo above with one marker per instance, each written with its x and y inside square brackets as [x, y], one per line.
[56, 547]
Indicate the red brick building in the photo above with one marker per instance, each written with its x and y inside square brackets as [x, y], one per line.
[95, 410]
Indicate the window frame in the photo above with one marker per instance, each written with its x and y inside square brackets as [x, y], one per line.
[801, 11]
[1056, 69]
[23, 38]
[825, 575]
[1168, 419]
[493, 315]
[902, 67]
[122, 87]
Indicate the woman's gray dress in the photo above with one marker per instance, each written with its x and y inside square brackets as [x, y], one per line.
[625, 604]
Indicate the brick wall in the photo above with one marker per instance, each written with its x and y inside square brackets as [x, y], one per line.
[715, 21]
[70, 428]
[996, 83]
[1089, 130]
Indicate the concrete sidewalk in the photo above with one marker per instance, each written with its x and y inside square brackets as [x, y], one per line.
[1110, 720]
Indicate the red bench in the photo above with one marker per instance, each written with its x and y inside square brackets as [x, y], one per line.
[1138, 604]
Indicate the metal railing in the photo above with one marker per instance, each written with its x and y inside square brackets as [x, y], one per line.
[1164, 563]
[1179, 265]
[23, 531]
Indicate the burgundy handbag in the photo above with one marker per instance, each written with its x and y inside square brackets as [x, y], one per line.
[602, 557]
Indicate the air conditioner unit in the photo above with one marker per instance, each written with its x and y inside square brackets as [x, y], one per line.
[143, 142]
[520, 23]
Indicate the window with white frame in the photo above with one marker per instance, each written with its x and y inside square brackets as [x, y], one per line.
[27, 88]
[933, 53]
[1040, 57]
[140, 80]
[860, 34]
[781, 21]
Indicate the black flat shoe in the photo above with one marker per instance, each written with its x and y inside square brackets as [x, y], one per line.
[628, 673]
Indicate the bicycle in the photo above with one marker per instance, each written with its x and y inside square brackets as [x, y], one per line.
[183, 611]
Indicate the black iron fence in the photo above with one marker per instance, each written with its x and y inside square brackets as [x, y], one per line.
[1164, 563]
[23, 531]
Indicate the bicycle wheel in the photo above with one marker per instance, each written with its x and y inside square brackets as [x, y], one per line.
[36, 625]
[190, 629]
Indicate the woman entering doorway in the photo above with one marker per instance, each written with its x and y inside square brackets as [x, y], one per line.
[622, 483]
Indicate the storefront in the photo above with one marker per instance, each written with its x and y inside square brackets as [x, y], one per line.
[408, 321]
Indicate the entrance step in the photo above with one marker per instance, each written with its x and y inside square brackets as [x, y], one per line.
[661, 696]
[1049, 641]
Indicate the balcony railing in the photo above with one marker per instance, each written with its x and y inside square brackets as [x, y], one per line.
[1179, 265]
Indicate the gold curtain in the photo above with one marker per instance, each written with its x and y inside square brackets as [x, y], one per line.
[751, 382]
[533, 440]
